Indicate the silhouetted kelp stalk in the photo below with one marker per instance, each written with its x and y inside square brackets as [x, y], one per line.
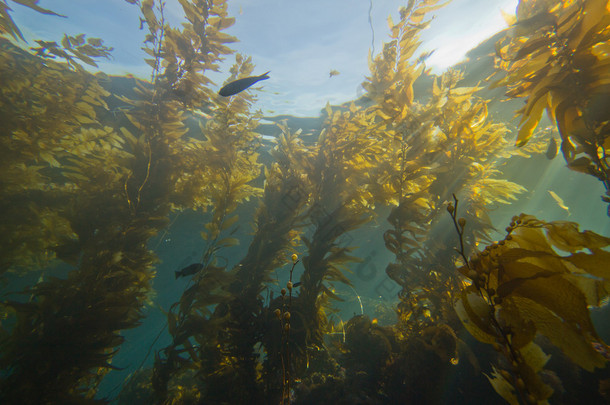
[520, 286]
[244, 317]
[283, 316]
[479, 282]
[227, 321]
[553, 55]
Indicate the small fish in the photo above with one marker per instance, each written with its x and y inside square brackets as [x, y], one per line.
[551, 151]
[559, 201]
[241, 84]
[189, 270]
[334, 72]
[295, 285]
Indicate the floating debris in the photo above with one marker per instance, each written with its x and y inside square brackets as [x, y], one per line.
[559, 201]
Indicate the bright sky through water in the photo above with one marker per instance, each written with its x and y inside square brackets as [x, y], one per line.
[298, 41]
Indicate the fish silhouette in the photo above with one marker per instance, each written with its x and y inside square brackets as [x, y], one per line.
[551, 151]
[189, 270]
[241, 84]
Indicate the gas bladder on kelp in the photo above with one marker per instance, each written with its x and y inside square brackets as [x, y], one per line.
[520, 286]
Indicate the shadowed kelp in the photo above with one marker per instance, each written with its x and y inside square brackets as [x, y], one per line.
[60, 342]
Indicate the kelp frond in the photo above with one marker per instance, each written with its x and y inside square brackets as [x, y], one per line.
[556, 56]
[521, 286]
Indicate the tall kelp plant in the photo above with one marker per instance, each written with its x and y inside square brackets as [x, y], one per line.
[221, 320]
[278, 222]
[108, 190]
[57, 345]
[40, 103]
[37, 108]
[226, 160]
[249, 325]
[404, 132]
[340, 203]
[521, 286]
[447, 143]
[228, 321]
[556, 56]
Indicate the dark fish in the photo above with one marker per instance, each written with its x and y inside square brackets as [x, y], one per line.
[551, 151]
[295, 285]
[189, 270]
[241, 85]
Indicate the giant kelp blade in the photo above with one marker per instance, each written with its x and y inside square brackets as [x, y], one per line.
[7, 24]
[528, 127]
[33, 4]
[562, 335]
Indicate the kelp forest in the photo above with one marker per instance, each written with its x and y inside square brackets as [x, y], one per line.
[97, 168]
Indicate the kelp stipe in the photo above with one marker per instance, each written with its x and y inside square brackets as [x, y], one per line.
[555, 56]
[283, 315]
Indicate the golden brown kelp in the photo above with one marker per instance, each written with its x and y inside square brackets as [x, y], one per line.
[520, 286]
[277, 221]
[467, 153]
[429, 148]
[58, 344]
[211, 173]
[403, 130]
[245, 321]
[222, 166]
[223, 342]
[340, 203]
[556, 55]
[40, 104]
[221, 345]
[115, 194]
